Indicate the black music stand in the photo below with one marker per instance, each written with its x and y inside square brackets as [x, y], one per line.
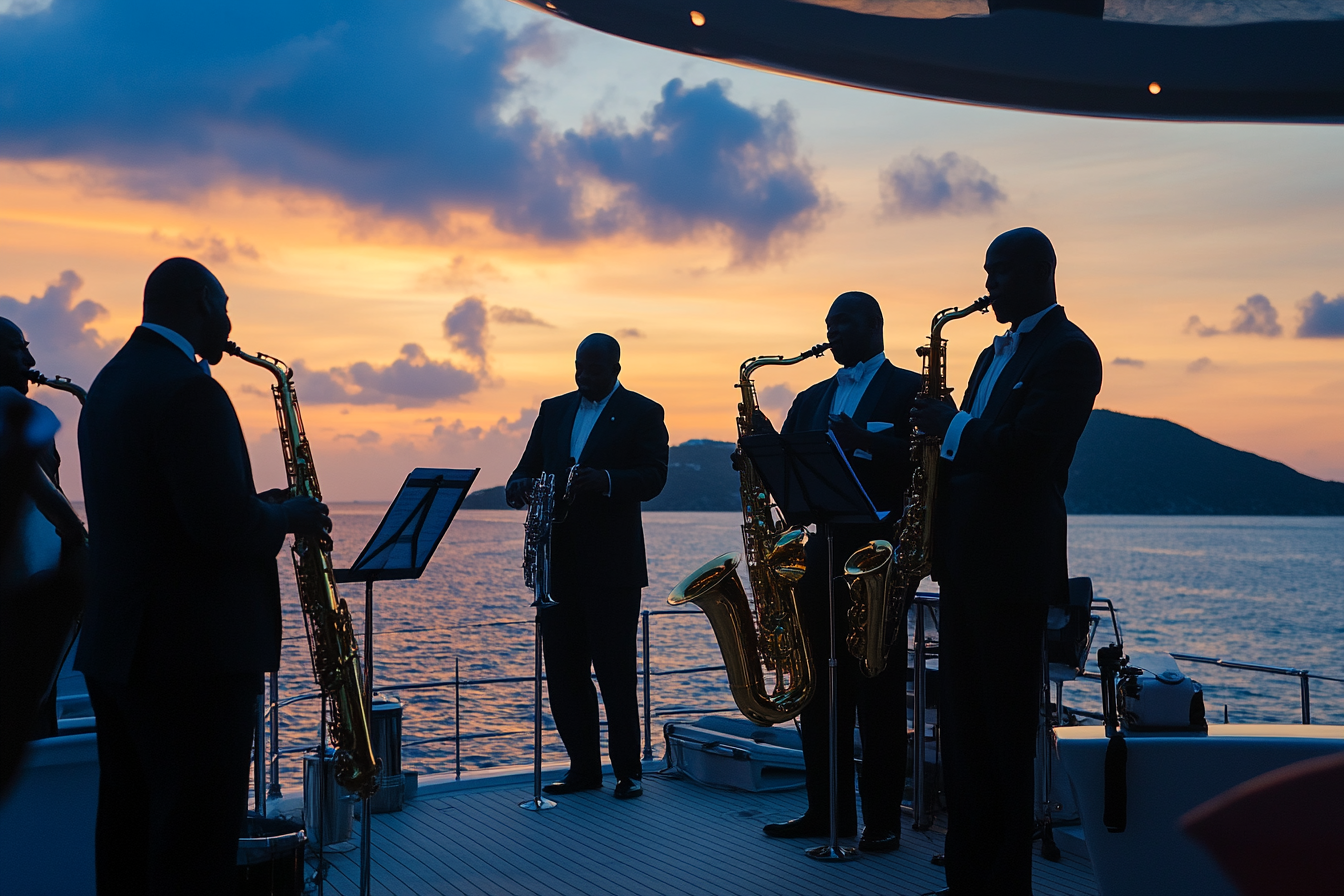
[400, 548]
[812, 482]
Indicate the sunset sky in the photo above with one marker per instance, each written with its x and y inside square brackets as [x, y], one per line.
[425, 206]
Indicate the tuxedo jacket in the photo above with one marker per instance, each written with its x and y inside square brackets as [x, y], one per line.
[182, 571]
[888, 398]
[999, 519]
[600, 544]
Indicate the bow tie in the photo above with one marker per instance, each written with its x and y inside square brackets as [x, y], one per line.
[1005, 343]
[849, 376]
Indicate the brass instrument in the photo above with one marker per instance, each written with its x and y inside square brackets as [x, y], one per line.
[544, 510]
[331, 636]
[882, 577]
[59, 382]
[774, 640]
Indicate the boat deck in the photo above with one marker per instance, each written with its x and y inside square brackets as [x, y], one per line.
[680, 837]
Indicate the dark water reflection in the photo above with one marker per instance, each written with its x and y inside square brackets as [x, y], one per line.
[1255, 589]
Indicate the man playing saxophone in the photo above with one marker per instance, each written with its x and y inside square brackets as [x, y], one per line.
[183, 615]
[999, 556]
[865, 405]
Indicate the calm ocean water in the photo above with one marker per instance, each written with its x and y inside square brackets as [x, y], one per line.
[1257, 589]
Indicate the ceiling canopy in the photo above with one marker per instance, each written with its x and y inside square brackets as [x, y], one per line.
[1181, 60]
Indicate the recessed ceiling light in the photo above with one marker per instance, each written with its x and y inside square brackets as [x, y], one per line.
[1154, 88]
[697, 18]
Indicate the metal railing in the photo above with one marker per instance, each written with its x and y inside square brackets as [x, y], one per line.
[1303, 675]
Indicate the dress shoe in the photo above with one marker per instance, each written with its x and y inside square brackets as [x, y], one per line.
[876, 839]
[628, 788]
[806, 826]
[571, 783]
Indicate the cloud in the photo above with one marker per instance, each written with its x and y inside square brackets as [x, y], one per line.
[1128, 362]
[395, 109]
[916, 186]
[501, 315]
[413, 380]
[703, 162]
[208, 249]
[465, 327]
[777, 397]
[1199, 365]
[631, 333]
[59, 330]
[367, 437]
[1321, 317]
[1256, 316]
[460, 273]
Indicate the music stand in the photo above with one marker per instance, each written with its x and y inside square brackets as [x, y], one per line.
[400, 548]
[812, 482]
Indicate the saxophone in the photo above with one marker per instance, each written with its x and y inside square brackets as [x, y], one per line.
[59, 382]
[774, 640]
[331, 636]
[882, 577]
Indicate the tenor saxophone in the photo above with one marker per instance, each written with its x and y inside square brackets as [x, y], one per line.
[331, 636]
[881, 576]
[61, 383]
[771, 639]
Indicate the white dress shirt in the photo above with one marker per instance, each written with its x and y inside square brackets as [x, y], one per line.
[585, 418]
[180, 341]
[852, 382]
[1005, 347]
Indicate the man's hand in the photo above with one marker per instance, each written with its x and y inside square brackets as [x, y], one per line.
[515, 493]
[850, 434]
[588, 481]
[274, 496]
[308, 518]
[932, 417]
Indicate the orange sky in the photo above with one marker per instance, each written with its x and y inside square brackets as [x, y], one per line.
[1153, 223]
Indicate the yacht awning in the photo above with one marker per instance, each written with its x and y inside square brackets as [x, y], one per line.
[1183, 60]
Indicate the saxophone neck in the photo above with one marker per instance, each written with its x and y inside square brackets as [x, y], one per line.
[751, 365]
[60, 383]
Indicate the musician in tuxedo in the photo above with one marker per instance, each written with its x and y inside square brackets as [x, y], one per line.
[866, 405]
[619, 443]
[1000, 557]
[183, 613]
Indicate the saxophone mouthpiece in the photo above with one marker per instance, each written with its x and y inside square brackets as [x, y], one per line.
[820, 349]
[982, 304]
[231, 348]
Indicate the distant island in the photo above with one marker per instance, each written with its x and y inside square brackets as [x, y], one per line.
[1124, 465]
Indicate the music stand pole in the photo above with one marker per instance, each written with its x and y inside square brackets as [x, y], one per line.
[833, 851]
[365, 842]
[538, 803]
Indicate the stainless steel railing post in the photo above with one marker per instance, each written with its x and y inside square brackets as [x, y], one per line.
[274, 791]
[922, 820]
[457, 718]
[648, 711]
[1305, 678]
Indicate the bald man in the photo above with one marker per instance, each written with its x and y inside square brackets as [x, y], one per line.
[183, 614]
[618, 442]
[1000, 557]
[866, 405]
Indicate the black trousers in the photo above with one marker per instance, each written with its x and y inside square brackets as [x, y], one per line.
[877, 704]
[990, 659]
[173, 761]
[594, 631]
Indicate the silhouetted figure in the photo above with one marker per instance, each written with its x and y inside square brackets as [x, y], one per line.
[619, 442]
[183, 615]
[1000, 556]
[866, 404]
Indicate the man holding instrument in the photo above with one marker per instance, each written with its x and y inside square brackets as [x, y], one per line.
[864, 405]
[617, 441]
[999, 556]
[183, 615]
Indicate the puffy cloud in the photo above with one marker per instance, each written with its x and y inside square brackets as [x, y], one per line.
[396, 109]
[465, 326]
[1199, 365]
[1127, 362]
[777, 397]
[703, 162]
[1322, 317]
[59, 330]
[1256, 316]
[413, 380]
[501, 315]
[631, 333]
[920, 186]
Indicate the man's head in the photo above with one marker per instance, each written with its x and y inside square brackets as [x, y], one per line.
[597, 363]
[854, 328]
[182, 295]
[1020, 274]
[15, 359]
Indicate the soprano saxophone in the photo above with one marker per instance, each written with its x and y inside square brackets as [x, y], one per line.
[881, 576]
[774, 640]
[61, 383]
[331, 636]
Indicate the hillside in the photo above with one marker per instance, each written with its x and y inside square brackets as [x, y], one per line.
[1124, 465]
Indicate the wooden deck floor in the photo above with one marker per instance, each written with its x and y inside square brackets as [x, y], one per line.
[679, 838]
